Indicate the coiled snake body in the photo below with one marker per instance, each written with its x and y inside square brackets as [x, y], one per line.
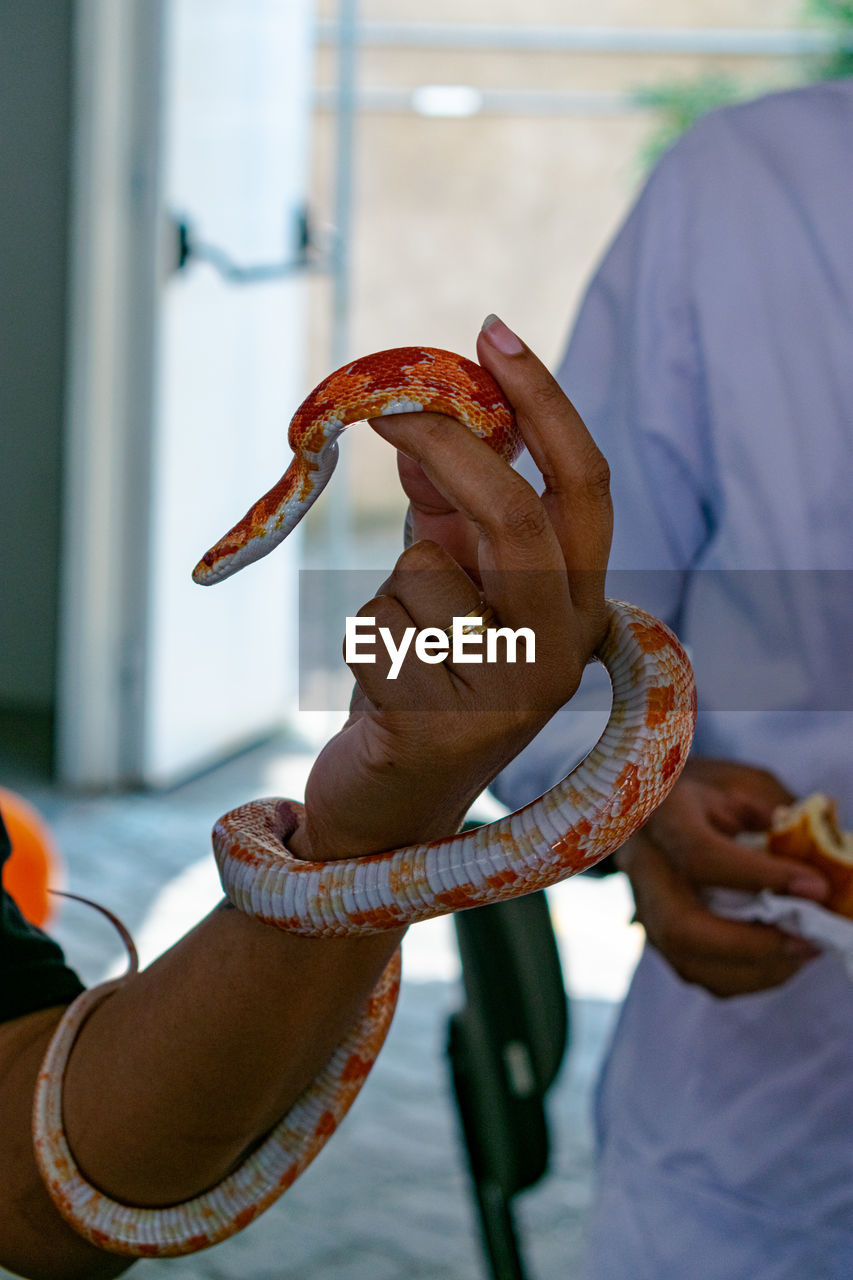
[572, 826]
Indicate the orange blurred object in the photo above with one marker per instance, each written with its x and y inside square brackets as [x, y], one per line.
[35, 862]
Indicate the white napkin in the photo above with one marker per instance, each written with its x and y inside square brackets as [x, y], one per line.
[798, 916]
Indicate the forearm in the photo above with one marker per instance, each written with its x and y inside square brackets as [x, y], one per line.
[199, 1056]
[34, 1240]
[179, 1073]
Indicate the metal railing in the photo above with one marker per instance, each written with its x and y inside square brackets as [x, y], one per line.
[487, 36]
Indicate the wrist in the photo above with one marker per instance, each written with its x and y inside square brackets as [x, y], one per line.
[327, 839]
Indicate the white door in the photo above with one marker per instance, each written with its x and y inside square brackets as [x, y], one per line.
[222, 659]
[181, 384]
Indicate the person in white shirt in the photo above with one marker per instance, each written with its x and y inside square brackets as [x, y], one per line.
[713, 361]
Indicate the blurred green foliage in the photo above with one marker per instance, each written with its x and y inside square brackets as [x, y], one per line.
[678, 104]
[837, 17]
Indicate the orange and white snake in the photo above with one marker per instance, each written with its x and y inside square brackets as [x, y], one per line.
[568, 829]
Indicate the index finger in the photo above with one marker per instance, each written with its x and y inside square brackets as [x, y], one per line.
[715, 858]
[514, 531]
[434, 518]
[576, 502]
[519, 557]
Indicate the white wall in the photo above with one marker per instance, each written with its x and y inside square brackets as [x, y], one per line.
[34, 109]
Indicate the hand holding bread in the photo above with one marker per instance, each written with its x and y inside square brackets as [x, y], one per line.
[809, 832]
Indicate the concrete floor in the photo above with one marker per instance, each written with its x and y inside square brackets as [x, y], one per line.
[388, 1199]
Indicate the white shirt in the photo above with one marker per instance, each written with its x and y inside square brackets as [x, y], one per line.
[713, 362]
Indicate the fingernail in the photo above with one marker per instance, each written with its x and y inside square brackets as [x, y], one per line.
[501, 337]
[806, 885]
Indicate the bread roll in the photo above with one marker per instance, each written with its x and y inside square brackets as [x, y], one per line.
[809, 832]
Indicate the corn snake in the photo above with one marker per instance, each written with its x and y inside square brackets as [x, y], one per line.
[572, 826]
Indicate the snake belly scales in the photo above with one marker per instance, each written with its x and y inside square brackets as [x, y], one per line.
[569, 828]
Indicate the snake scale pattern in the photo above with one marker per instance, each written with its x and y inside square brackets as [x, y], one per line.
[575, 824]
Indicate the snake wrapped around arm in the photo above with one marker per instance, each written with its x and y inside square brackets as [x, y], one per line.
[576, 823]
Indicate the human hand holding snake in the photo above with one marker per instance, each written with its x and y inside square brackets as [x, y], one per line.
[377, 849]
[417, 751]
